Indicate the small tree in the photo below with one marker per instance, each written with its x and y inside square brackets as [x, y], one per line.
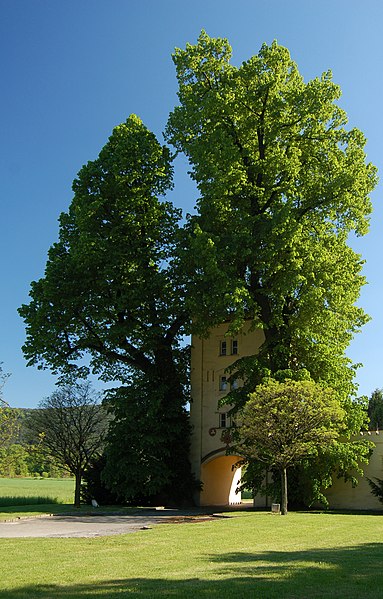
[8, 416]
[72, 427]
[284, 422]
[375, 409]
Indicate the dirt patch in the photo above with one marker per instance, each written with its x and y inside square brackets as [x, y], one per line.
[193, 519]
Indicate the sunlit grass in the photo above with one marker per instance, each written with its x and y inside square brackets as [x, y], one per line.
[61, 490]
[21, 497]
[251, 555]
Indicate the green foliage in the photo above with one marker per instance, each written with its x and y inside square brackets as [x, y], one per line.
[93, 487]
[282, 184]
[316, 461]
[285, 422]
[9, 417]
[9, 422]
[148, 464]
[376, 488]
[39, 460]
[14, 461]
[107, 291]
[112, 292]
[375, 409]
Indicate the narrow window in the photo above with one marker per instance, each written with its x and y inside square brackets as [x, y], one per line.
[234, 347]
[234, 384]
[223, 348]
[223, 383]
[222, 421]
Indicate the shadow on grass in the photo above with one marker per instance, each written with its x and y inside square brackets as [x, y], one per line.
[348, 572]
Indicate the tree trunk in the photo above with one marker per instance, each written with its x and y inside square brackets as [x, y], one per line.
[283, 491]
[77, 490]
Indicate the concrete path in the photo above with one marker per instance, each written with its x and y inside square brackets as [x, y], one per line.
[94, 525]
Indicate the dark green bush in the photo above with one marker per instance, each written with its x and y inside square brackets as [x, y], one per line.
[376, 488]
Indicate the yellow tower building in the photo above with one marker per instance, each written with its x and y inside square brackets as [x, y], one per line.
[209, 383]
[210, 359]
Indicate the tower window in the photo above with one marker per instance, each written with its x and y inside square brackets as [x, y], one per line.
[234, 347]
[223, 348]
[223, 384]
[222, 420]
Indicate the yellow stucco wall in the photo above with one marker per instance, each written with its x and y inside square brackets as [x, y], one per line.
[342, 496]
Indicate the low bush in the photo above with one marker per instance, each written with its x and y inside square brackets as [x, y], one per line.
[376, 488]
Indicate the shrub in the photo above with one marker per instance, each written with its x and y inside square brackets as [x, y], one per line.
[376, 488]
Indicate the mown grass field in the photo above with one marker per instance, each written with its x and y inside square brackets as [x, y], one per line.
[23, 496]
[61, 489]
[247, 556]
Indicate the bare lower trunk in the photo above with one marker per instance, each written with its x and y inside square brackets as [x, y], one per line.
[284, 491]
[77, 490]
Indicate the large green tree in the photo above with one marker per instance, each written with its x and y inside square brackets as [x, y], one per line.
[282, 185]
[142, 460]
[110, 300]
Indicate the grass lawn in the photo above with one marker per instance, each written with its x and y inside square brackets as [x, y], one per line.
[60, 489]
[248, 556]
[23, 496]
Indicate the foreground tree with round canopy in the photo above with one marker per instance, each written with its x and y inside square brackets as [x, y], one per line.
[284, 422]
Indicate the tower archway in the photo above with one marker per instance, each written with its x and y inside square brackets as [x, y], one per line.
[220, 480]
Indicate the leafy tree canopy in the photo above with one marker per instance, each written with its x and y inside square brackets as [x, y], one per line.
[142, 465]
[111, 297]
[284, 422]
[282, 184]
[375, 409]
[9, 417]
[107, 292]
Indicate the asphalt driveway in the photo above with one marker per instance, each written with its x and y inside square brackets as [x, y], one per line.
[96, 525]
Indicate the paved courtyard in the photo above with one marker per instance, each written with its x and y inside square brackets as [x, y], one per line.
[96, 525]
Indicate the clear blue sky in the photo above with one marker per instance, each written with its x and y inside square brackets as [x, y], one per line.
[71, 70]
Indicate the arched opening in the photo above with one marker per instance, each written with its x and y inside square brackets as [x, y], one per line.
[220, 481]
